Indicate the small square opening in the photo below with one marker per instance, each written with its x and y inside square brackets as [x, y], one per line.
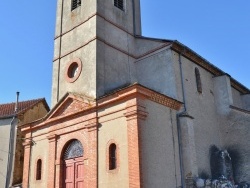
[75, 4]
[119, 4]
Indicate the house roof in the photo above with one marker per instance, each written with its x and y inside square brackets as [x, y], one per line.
[8, 109]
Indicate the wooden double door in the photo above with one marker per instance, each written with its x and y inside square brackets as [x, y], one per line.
[74, 173]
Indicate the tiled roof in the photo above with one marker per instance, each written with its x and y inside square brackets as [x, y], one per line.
[8, 109]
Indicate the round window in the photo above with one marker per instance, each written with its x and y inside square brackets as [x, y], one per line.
[73, 70]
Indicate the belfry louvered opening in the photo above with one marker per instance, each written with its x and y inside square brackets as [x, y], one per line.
[75, 4]
[119, 4]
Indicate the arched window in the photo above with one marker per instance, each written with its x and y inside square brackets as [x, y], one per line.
[198, 80]
[119, 4]
[112, 157]
[39, 169]
[73, 150]
[75, 4]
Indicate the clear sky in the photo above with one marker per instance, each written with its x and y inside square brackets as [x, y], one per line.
[217, 30]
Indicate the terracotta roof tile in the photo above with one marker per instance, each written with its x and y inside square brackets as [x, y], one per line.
[8, 109]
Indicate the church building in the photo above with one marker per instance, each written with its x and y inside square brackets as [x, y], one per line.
[130, 111]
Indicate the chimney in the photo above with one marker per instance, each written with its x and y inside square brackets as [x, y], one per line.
[17, 99]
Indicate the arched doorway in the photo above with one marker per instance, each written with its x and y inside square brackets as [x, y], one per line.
[73, 166]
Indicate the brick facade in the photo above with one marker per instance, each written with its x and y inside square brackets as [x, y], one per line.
[67, 124]
[81, 122]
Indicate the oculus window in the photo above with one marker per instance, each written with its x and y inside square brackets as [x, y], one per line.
[73, 70]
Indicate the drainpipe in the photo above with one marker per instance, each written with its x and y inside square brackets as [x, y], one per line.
[178, 115]
[11, 153]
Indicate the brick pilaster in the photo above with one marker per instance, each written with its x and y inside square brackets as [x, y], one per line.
[59, 173]
[51, 163]
[26, 166]
[135, 114]
[92, 153]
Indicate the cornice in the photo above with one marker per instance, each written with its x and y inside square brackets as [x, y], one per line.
[51, 122]
[235, 84]
[189, 54]
[138, 91]
[194, 57]
[133, 91]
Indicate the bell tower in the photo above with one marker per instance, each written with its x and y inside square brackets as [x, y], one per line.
[93, 40]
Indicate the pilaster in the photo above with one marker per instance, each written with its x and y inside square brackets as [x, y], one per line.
[27, 150]
[135, 114]
[92, 153]
[223, 94]
[246, 101]
[188, 148]
[52, 157]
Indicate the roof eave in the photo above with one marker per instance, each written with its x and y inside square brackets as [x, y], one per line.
[196, 58]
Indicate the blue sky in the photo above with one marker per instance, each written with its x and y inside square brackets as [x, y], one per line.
[217, 30]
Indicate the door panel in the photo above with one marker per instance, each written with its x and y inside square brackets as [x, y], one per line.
[74, 173]
[79, 174]
[69, 175]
